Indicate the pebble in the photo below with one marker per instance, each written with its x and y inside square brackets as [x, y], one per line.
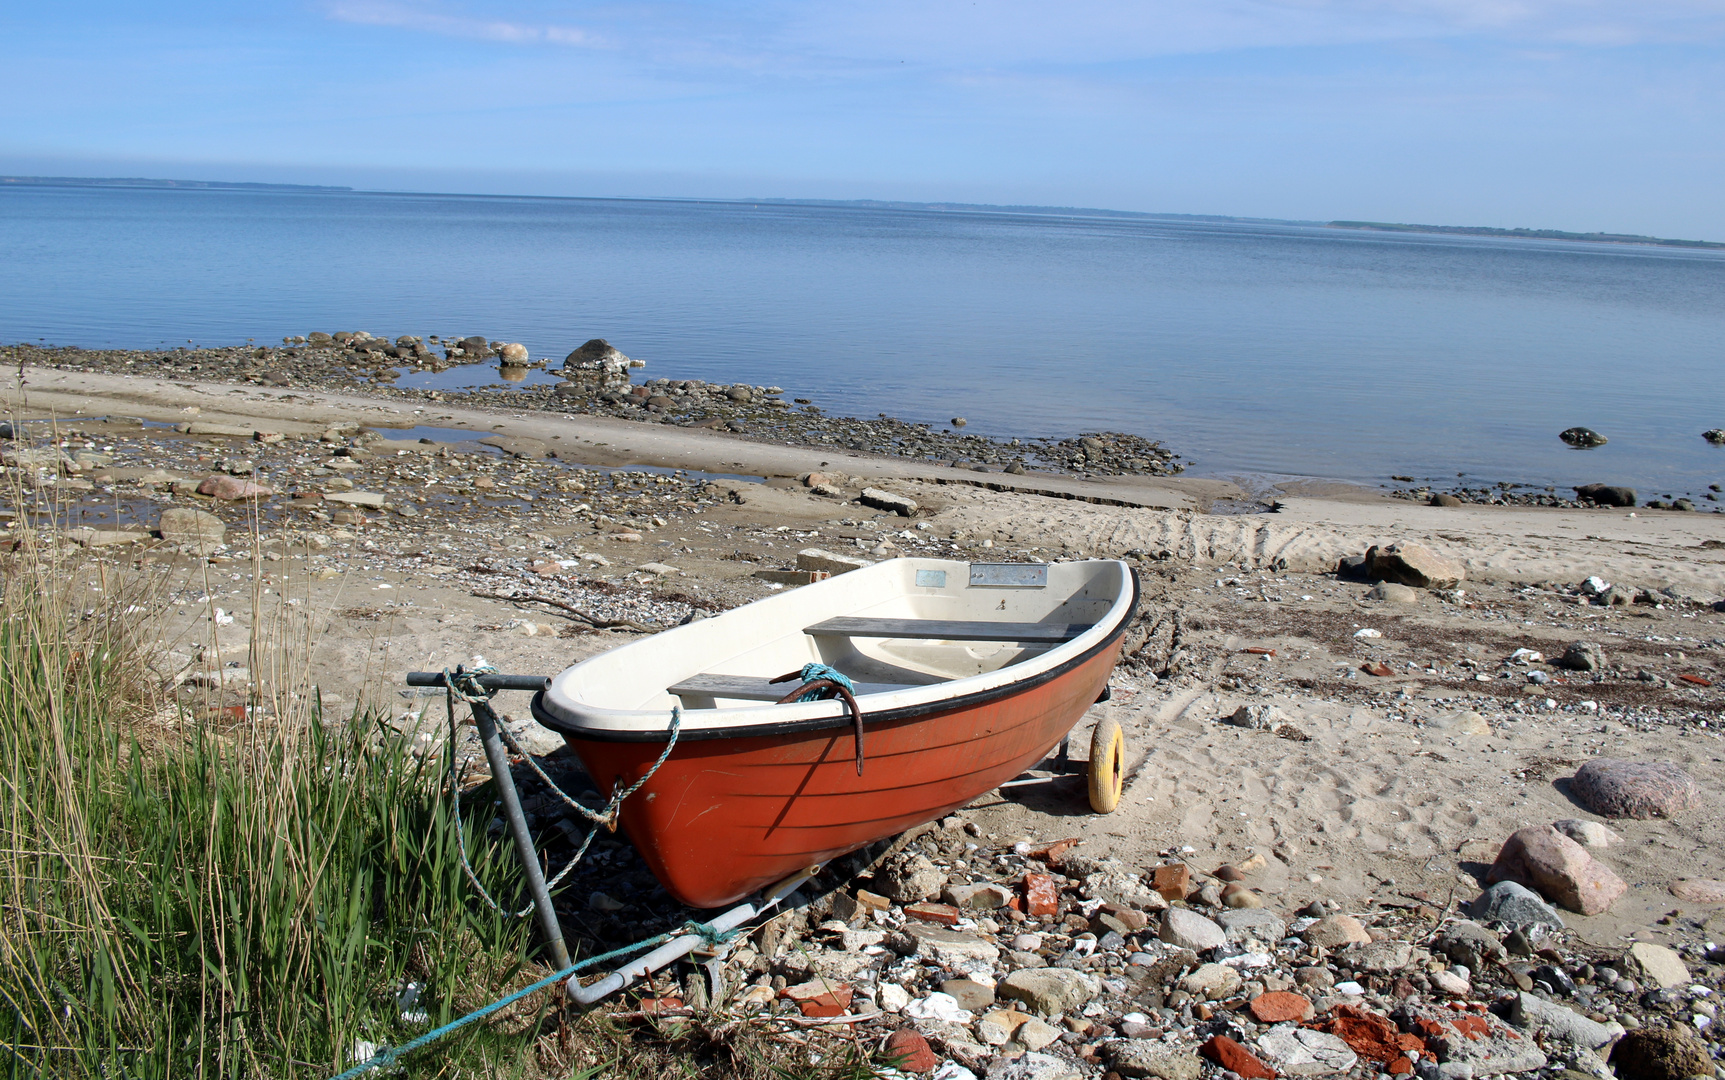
[1189, 930]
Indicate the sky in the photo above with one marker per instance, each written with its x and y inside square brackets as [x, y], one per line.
[1571, 114]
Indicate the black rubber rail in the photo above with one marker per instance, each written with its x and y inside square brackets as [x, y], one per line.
[490, 682]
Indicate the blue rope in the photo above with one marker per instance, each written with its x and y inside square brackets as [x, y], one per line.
[706, 931]
[814, 671]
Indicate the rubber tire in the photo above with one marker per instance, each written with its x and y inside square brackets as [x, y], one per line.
[1107, 765]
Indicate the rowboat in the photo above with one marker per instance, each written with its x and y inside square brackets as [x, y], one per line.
[961, 675]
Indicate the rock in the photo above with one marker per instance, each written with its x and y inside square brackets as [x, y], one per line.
[373, 499]
[1281, 1007]
[1587, 833]
[971, 996]
[1033, 1034]
[1235, 895]
[597, 354]
[513, 354]
[953, 947]
[1032, 1066]
[1304, 1052]
[1334, 931]
[1390, 592]
[1716, 436]
[1211, 982]
[1606, 494]
[1550, 1020]
[1140, 1058]
[892, 997]
[1582, 437]
[234, 431]
[1413, 564]
[1545, 859]
[980, 897]
[1253, 923]
[1379, 957]
[1511, 903]
[1698, 890]
[1612, 787]
[937, 1006]
[1660, 1054]
[1470, 945]
[1256, 717]
[1189, 930]
[886, 500]
[1466, 722]
[1449, 981]
[1441, 499]
[818, 559]
[232, 489]
[1049, 990]
[910, 878]
[195, 529]
[909, 1051]
[1583, 656]
[1657, 964]
[1235, 1058]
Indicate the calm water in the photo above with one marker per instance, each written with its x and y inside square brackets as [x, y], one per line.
[1279, 350]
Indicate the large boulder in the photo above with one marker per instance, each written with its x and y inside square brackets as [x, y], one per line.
[1542, 858]
[1660, 1054]
[1612, 787]
[1606, 494]
[1413, 564]
[1582, 437]
[514, 354]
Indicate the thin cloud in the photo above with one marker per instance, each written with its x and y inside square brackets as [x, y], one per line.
[401, 16]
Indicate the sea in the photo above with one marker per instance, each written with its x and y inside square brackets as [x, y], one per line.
[1257, 351]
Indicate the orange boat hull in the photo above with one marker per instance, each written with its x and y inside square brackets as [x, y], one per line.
[724, 817]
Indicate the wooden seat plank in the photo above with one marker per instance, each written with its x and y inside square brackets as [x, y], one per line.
[754, 688]
[948, 630]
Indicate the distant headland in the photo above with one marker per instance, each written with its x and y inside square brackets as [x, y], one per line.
[1525, 234]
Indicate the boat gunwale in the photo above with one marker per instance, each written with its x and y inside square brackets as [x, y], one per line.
[696, 731]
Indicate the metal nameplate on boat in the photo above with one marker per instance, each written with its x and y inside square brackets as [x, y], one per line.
[1009, 575]
[931, 579]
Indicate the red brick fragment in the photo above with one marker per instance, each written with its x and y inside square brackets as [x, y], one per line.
[1041, 898]
[819, 997]
[1052, 852]
[1695, 680]
[1367, 1034]
[1257, 650]
[1231, 1055]
[1382, 671]
[1400, 1067]
[1172, 881]
[658, 1006]
[1280, 1007]
[910, 1052]
[945, 914]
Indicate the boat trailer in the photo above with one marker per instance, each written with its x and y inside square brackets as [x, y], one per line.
[476, 688]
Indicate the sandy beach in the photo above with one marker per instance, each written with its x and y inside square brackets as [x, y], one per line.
[1394, 785]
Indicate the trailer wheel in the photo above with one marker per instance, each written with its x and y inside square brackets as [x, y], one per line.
[1107, 765]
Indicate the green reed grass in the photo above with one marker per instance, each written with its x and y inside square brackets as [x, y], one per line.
[184, 898]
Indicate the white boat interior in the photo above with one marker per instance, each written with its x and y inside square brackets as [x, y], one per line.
[907, 632]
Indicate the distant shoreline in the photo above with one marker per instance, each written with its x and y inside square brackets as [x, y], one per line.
[1524, 234]
[892, 204]
[142, 182]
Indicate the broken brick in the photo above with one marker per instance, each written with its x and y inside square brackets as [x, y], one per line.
[1173, 881]
[1041, 898]
[944, 914]
[1236, 1058]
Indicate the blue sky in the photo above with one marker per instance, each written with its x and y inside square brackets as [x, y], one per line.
[1573, 114]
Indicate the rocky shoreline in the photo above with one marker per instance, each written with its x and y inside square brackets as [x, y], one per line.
[596, 382]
